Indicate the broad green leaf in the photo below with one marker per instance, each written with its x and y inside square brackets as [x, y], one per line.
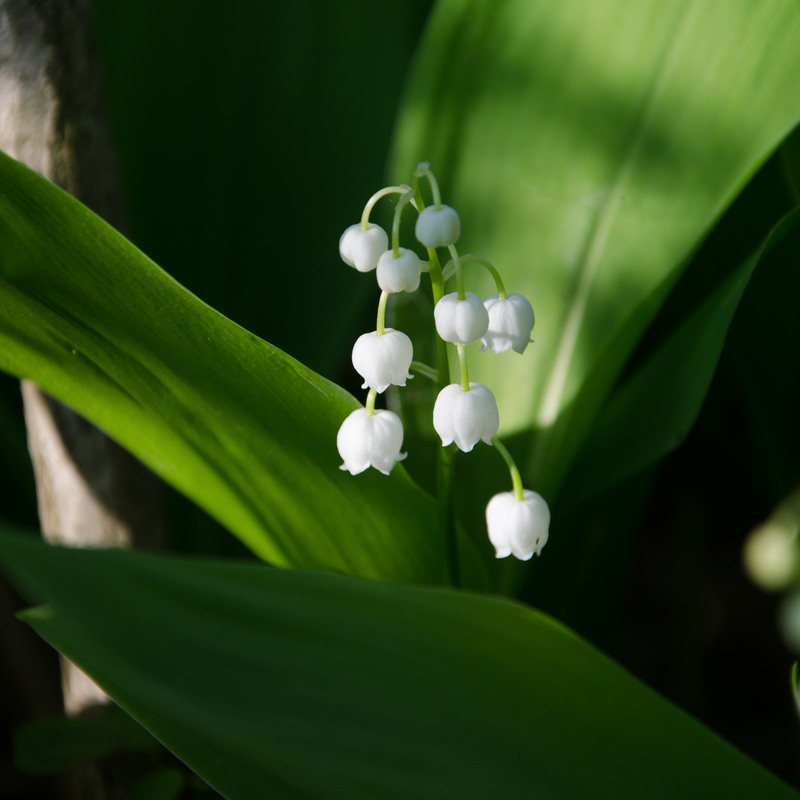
[589, 147]
[290, 684]
[655, 409]
[240, 427]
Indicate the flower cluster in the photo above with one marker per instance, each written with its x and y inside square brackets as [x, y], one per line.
[466, 412]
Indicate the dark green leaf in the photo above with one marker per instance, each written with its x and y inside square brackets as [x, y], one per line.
[289, 684]
[655, 409]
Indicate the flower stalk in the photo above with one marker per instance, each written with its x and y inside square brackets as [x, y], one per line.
[465, 413]
[516, 479]
[381, 321]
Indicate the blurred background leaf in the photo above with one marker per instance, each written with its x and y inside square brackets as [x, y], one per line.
[653, 410]
[48, 745]
[589, 151]
[355, 689]
[249, 138]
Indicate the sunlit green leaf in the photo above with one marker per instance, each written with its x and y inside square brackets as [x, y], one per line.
[240, 427]
[589, 147]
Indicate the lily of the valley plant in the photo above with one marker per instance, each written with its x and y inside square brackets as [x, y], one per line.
[466, 412]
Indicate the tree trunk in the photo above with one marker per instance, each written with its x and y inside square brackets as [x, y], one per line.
[52, 118]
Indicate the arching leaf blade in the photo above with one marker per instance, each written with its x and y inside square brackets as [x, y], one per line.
[240, 427]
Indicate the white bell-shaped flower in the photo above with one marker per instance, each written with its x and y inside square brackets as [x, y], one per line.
[383, 359]
[361, 248]
[370, 440]
[510, 323]
[399, 274]
[518, 527]
[438, 227]
[461, 321]
[465, 417]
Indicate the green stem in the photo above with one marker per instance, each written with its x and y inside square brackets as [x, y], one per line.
[459, 272]
[374, 199]
[371, 402]
[379, 328]
[498, 281]
[516, 480]
[437, 291]
[444, 456]
[426, 370]
[447, 510]
[424, 169]
[401, 204]
[462, 366]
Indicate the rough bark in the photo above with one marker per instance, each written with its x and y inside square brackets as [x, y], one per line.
[52, 118]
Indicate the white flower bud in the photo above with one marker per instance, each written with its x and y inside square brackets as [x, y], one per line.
[510, 323]
[370, 441]
[438, 227]
[516, 526]
[465, 417]
[383, 359]
[399, 274]
[461, 321]
[361, 248]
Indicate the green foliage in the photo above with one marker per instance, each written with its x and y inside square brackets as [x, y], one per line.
[247, 146]
[595, 152]
[239, 426]
[651, 413]
[589, 148]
